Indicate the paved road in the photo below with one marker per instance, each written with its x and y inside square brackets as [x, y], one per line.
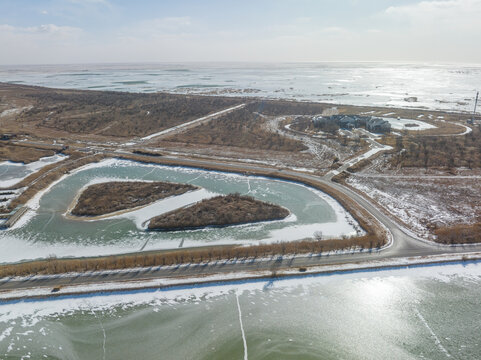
[403, 245]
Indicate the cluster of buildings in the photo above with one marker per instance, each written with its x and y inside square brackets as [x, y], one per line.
[349, 122]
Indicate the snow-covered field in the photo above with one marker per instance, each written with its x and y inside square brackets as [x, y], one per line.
[402, 124]
[424, 202]
[13, 111]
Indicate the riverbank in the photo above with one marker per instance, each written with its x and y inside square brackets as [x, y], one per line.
[158, 284]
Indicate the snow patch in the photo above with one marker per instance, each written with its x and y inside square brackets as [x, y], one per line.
[402, 124]
[14, 172]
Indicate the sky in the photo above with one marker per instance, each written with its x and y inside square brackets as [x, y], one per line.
[123, 31]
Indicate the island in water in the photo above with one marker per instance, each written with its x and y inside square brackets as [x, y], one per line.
[219, 211]
[110, 197]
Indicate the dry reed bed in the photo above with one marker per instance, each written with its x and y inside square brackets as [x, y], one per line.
[113, 196]
[25, 154]
[459, 234]
[59, 266]
[219, 211]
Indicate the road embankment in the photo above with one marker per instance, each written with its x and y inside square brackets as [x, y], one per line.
[140, 284]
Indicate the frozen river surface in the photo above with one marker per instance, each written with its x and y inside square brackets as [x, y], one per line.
[45, 231]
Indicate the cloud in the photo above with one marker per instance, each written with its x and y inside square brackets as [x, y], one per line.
[49, 29]
[155, 28]
[429, 30]
[40, 44]
[167, 24]
[4, 28]
[440, 14]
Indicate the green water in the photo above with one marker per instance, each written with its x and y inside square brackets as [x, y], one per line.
[49, 232]
[427, 313]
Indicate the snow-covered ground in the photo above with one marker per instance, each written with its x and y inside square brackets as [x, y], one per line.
[375, 148]
[401, 124]
[6, 196]
[323, 151]
[14, 111]
[141, 216]
[424, 202]
[12, 173]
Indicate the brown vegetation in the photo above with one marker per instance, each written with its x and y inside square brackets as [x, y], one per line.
[286, 107]
[241, 128]
[25, 154]
[47, 175]
[108, 113]
[304, 123]
[459, 234]
[439, 152]
[109, 197]
[146, 152]
[57, 266]
[219, 211]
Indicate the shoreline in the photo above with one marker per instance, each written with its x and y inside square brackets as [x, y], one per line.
[325, 96]
[34, 294]
[223, 225]
[68, 213]
[30, 168]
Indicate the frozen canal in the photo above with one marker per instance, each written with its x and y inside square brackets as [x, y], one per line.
[46, 231]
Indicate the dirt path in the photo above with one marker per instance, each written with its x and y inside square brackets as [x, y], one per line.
[182, 127]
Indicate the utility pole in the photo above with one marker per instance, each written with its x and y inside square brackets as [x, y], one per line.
[474, 111]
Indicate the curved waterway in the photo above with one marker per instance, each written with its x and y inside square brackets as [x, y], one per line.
[46, 231]
[11, 173]
[430, 312]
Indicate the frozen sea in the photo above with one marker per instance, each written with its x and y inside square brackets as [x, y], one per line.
[445, 87]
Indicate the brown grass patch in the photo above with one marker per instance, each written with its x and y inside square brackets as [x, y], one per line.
[438, 152]
[459, 234]
[25, 154]
[107, 113]
[219, 211]
[109, 197]
[241, 128]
